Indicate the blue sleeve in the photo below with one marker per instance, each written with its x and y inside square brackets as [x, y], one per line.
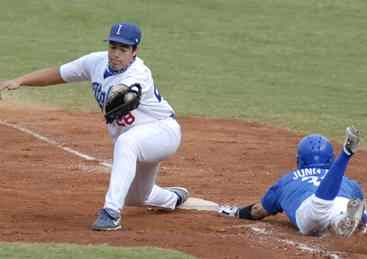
[270, 201]
[357, 190]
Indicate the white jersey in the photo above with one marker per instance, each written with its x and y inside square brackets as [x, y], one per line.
[94, 68]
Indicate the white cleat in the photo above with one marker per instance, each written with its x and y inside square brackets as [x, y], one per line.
[347, 225]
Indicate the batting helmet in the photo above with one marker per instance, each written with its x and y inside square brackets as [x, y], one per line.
[314, 151]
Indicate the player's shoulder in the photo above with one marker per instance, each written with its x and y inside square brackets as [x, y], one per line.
[138, 68]
[287, 177]
[94, 59]
[97, 55]
[139, 64]
[288, 174]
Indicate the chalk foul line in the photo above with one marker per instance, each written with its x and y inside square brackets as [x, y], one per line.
[261, 230]
[55, 143]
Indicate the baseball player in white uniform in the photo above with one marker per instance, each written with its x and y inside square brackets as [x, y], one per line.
[142, 137]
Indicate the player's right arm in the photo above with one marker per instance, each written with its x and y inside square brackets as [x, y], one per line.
[268, 205]
[43, 77]
[255, 211]
[77, 70]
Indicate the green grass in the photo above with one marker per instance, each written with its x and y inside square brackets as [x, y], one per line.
[60, 251]
[292, 63]
[296, 64]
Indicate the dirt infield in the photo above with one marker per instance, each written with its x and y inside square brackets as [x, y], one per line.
[49, 195]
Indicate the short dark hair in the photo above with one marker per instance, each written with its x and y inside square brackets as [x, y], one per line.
[126, 46]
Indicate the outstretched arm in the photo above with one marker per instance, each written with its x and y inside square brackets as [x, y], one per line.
[43, 77]
[254, 211]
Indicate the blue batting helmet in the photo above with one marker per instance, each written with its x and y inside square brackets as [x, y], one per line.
[315, 151]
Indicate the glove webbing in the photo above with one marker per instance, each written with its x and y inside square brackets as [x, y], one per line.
[124, 108]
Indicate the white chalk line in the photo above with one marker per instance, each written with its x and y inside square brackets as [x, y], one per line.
[298, 245]
[254, 228]
[55, 143]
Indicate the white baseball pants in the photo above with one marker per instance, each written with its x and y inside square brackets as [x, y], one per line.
[136, 157]
[315, 215]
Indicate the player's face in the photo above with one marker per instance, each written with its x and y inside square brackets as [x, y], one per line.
[120, 56]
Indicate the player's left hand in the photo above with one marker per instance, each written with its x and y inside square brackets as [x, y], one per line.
[121, 100]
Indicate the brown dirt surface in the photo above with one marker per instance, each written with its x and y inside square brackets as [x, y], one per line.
[49, 195]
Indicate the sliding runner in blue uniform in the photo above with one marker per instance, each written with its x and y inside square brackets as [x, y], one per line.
[316, 196]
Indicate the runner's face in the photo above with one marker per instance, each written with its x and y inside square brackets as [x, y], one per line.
[120, 56]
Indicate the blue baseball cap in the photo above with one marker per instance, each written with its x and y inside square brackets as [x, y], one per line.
[125, 33]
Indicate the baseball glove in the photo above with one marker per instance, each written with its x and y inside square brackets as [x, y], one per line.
[121, 99]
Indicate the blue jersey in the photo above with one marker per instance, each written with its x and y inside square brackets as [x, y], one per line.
[291, 190]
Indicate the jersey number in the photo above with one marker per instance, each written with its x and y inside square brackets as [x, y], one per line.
[126, 120]
[315, 180]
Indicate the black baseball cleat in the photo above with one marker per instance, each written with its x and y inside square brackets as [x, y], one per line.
[181, 192]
